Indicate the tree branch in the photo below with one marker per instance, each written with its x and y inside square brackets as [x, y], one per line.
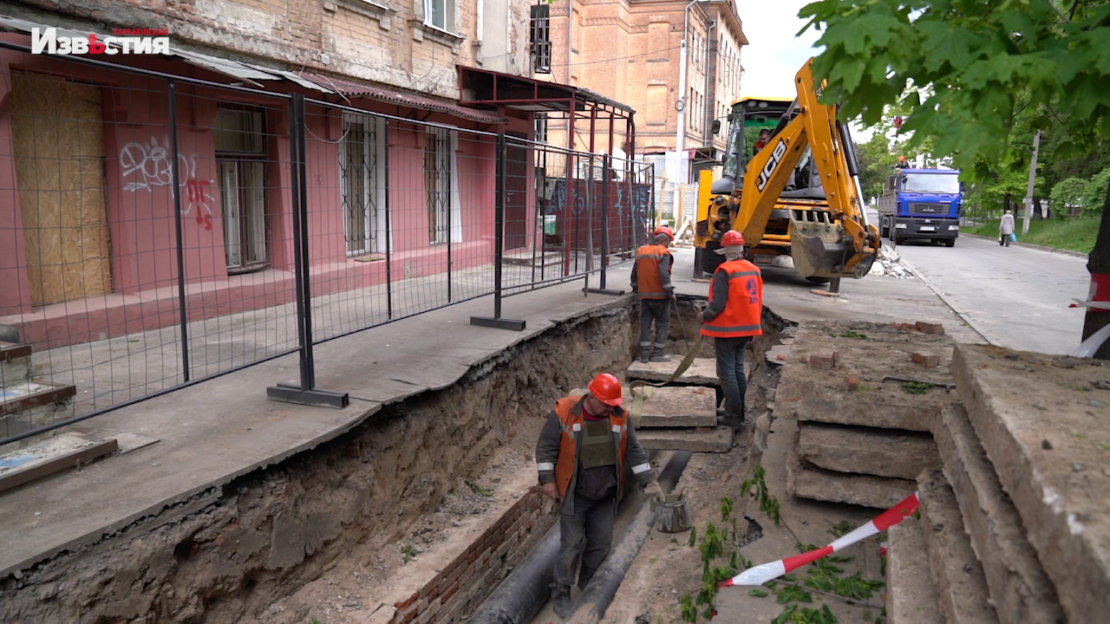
[1074, 6]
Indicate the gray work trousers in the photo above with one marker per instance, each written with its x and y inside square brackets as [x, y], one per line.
[730, 370]
[587, 531]
[656, 311]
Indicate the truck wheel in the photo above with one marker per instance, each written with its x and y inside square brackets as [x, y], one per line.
[884, 231]
[817, 280]
[951, 242]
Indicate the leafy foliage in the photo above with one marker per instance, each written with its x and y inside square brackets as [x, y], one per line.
[1095, 193]
[1067, 193]
[768, 504]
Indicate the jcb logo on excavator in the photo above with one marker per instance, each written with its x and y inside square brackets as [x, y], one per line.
[769, 168]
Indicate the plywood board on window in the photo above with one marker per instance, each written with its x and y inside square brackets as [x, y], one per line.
[58, 138]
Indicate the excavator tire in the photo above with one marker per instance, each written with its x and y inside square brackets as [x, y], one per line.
[817, 280]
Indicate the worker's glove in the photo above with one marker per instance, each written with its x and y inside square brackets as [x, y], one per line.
[654, 490]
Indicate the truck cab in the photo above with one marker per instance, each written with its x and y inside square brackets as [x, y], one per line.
[921, 204]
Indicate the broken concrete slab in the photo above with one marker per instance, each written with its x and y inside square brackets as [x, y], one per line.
[879, 452]
[912, 598]
[957, 574]
[778, 354]
[715, 440]
[61, 452]
[807, 481]
[1019, 588]
[868, 352]
[702, 371]
[674, 406]
[1045, 430]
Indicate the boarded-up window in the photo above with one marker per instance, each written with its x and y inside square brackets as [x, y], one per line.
[58, 142]
[657, 104]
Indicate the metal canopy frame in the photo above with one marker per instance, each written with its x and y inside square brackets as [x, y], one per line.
[482, 88]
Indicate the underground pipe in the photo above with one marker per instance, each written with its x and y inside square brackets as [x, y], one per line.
[528, 587]
[592, 603]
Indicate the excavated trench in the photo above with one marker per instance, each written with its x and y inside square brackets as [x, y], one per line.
[414, 516]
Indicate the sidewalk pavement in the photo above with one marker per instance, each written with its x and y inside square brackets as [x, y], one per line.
[216, 431]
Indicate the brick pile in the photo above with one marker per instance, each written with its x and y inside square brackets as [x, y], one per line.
[861, 440]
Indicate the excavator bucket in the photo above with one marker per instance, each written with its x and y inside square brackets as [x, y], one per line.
[821, 247]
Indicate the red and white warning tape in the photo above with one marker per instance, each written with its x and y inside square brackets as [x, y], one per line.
[760, 574]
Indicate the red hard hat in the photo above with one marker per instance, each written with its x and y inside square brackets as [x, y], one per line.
[732, 237]
[662, 229]
[606, 388]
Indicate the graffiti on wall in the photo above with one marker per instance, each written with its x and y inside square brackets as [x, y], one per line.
[149, 165]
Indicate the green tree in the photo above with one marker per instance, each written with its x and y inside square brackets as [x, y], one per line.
[875, 163]
[1067, 193]
[970, 71]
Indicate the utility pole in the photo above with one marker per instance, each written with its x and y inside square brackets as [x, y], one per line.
[1032, 180]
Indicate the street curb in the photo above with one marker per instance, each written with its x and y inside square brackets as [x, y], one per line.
[951, 305]
[1066, 252]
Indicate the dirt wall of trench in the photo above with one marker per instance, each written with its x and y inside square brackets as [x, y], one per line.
[229, 554]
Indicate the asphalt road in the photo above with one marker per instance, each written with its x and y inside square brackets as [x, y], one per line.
[1016, 296]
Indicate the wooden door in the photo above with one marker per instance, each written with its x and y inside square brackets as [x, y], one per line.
[58, 142]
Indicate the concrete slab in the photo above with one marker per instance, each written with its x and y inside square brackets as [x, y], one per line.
[703, 371]
[867, 353]
[957, 574]
[1019, 588]
[715, 440]
[806, 481]
[879, 452]
[675, 406]
[1043, 424]
[51, 456]
[911, 596]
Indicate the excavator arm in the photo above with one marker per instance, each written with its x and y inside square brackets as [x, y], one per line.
[833, 243]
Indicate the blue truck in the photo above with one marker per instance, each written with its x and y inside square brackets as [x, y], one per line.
[922, 204]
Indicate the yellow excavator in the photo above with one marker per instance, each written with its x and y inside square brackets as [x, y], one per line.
[799, 195]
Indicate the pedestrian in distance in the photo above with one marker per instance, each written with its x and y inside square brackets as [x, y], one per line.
[581, 456]
[733, 317]
[1005, 229]
[651, 280]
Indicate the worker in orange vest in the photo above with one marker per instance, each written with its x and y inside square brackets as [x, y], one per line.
[651, 279]
[581, 455]
[734, 315]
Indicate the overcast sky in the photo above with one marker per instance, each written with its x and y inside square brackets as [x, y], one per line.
[773, 54]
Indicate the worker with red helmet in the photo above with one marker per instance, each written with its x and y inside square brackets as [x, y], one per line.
[733, 317]
[581, 455]
[651, 279]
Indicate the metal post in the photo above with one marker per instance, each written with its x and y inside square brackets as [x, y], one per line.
[388, 234]
[306, 393]
[568, 209]
[449, 224]
[179, 234]
[499, 243]
[606, 162]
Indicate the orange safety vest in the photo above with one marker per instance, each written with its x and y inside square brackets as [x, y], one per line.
[744, 308]
[570, 415]
[647, 271]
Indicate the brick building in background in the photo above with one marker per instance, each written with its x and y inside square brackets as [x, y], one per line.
[631, 51]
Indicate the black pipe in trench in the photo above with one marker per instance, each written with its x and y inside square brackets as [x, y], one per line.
[525, 591]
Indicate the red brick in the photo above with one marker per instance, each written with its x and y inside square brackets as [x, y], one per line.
[401, 606]
[929, 328]
[824, 360]
[849, 384]
[449, 592]
[928, 360]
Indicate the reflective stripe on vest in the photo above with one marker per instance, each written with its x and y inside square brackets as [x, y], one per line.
[744, 307]
[647, 271]
[569, 411]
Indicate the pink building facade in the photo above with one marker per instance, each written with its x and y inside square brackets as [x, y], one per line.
[88, 236]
